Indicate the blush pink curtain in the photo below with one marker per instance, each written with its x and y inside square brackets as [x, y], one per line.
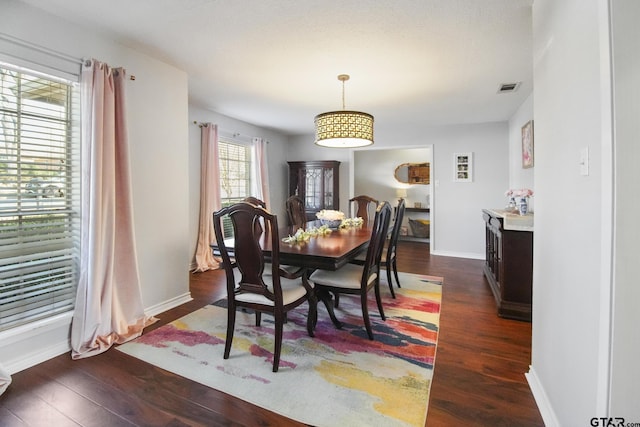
[5, 379]
[262, 172]
[109, 306]
[209, 197]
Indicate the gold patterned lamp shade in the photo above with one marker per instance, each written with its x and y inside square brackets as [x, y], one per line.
[344, 129]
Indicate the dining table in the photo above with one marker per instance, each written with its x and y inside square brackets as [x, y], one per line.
[327, 251]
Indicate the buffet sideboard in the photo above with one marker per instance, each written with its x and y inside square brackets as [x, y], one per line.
[509, 261]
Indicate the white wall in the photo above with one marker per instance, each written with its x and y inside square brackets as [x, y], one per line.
[570, 285]
[518, 176]
[625, 374]
[158, 135]
[276, 148]
[455, 207]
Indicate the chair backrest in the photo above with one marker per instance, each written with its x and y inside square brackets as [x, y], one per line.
[395, 232]
[255, 201]
[248, 255]
[362, 206]
[379, 234]
[296, 211]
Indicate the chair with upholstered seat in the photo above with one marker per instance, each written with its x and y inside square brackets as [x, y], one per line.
[361, 206]
[388, 260]
[357, 279]
[296, 212]
[253, 283]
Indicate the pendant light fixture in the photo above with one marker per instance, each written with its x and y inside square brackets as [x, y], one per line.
[344, 129]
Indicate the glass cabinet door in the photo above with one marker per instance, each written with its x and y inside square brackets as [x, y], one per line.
[314, 188]
[328, 188]
[316, 182]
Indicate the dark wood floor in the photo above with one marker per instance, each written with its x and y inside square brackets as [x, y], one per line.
[478, 379]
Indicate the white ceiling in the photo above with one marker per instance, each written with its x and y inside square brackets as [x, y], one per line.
[274, 63]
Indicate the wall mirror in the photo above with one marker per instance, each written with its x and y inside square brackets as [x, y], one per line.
[412, 173]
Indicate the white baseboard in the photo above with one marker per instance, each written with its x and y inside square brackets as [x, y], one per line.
[544, 405]
[38, 356]
[469, 255]
[29, 345]
[168, 305]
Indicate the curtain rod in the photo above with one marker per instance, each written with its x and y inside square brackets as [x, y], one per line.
[87, 63]
[47, 51]
[233, 135]
[42, 49]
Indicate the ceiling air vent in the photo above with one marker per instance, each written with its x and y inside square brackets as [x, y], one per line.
[508, 87]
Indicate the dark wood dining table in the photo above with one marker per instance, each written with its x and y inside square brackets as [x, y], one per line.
[327, 252]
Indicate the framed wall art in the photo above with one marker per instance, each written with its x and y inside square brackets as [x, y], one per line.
[527, 145]
[463, 167]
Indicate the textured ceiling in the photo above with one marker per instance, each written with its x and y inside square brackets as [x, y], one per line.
[274, 63]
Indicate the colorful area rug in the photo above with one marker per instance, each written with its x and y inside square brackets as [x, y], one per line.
[338, 378]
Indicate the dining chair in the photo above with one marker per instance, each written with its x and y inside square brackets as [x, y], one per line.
[357, 279]
[388, 259]
[361, 205]
[251, 284]
[296, 211]
[255, 201]
[291, 272]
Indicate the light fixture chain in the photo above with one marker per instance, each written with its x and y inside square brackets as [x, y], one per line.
[343, 104]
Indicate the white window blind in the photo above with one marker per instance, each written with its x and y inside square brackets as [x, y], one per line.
[235, 176]
[39, 196]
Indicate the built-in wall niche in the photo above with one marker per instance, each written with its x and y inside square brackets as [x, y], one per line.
[412, 173]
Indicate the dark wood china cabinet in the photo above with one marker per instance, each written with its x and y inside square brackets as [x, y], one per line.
[317, 183]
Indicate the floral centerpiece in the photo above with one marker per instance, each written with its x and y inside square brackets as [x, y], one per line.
[523, 194]
[330, 218]
[302, 236]
[352, 222]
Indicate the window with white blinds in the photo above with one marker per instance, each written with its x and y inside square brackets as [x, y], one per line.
[235, 176]
[39, 196]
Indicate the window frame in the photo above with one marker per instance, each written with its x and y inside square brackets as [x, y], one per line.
[240, 194]
[39, 254]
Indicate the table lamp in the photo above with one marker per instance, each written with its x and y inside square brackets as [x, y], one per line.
[401, 193]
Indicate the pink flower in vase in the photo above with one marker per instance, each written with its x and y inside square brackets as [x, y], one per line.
[523, 192]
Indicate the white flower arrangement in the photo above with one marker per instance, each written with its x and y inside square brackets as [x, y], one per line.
[302, 236]
[330, 215]
[352, 222]
[330, 219]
